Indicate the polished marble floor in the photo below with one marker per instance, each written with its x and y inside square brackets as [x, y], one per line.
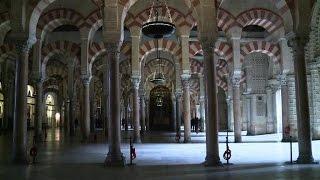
[260, 157]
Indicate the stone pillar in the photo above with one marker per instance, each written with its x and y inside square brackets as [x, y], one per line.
[115, 156]
[126, 115]
[147, 115]
[186, 107]
[39, 109]
[212, 143]
[67, 116]
[20, 124]
[86, 108]
[248, 112]
[236, 107]
[285, 106]
[71, 98]
[105, 97]
[143, 113]
[93, 109]
[270, 120]
[173, 115]
[304, 134]
[230, 114]
[178, 112]
[202, 103]
[136, 118]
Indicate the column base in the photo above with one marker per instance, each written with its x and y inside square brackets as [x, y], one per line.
[212, 161]
[115, 160]
[20, 159]
[238, 139]
[187, 139]
[137, 140]
[305, 159]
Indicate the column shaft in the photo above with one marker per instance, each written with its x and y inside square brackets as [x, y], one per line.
[212, 143]
[178, 112]
[186, 109]
[86, 110]
[39, 109]
[285, 107]
[136, 118]
[304, 134]
[237, 109]
[114, 157]
[270, 119]
[143, 114]
[20, 116]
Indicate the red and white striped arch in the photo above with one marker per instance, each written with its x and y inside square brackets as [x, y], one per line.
[196, 67]
[261, 17]
[64, 47]
[178, 18]
[97, 49]
[222, 70]
[221, 48]
[225, 20]
[164, 45]
[272, 50]
[58, 17]
[94, 22]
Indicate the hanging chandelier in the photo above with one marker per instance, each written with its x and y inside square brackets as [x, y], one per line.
[158, 27]
[158, 77]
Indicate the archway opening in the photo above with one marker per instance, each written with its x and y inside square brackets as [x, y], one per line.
[160, 109]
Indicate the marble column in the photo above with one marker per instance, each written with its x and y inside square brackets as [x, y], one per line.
[114, 156]
[105, 97]
[212, 143]
[285, 106]
[270, 120]
[136, 118]
[71, 98]
[248, 112]
[185, 78]
[230, 114]
[126, 109]
[304, 130]
[143, 113]
[147, 115]
[202, 103]
[67, 117]
[86, 108]
[236, 107]
[39, 109]
[20, 124]
[173, 113]
[178, 112]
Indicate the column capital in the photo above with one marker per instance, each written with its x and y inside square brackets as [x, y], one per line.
[298, 41]
[22, 45]
[112, 47]
[236, 79]
[86, 80]
[178, 94]
[185, 78]
[283, 79]
[135, 81]
[207, 46]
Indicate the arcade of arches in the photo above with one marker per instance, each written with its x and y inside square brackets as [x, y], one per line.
[247, 66]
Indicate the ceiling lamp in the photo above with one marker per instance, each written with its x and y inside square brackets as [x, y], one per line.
[158, 27]
[158, 77]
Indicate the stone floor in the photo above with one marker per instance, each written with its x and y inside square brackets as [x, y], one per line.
[260, 157]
